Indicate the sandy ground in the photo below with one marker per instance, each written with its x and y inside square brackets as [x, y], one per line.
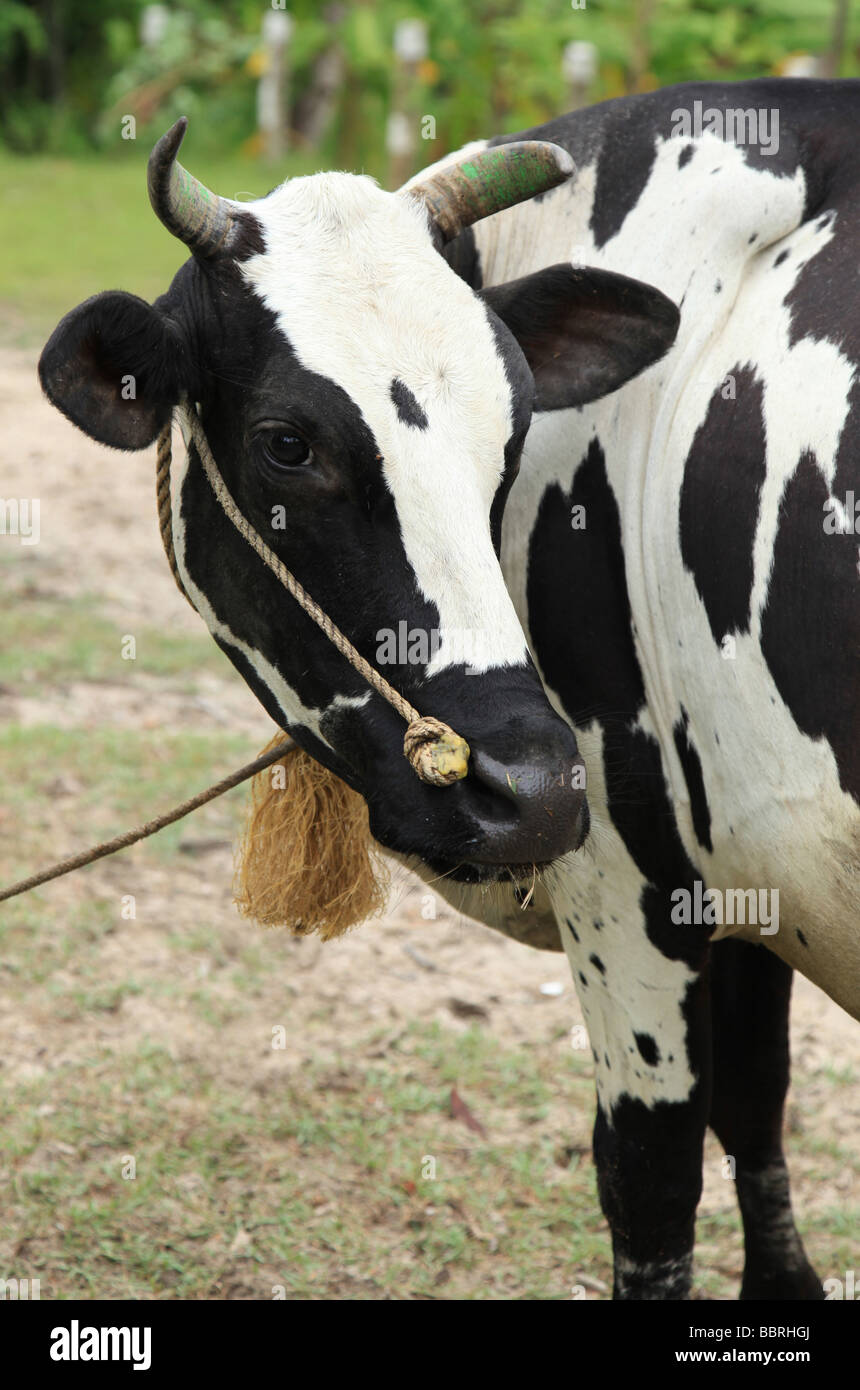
[99, 537]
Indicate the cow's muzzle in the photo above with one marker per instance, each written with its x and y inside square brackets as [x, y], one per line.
[528, 805]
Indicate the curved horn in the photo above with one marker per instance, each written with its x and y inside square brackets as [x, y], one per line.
[497, 178]
[201, 219]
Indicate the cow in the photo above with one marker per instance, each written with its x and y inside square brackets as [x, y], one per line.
[609, 421]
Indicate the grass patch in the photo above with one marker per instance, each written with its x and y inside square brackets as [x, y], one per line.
[109, 237]
[235, 1194]
[121, 776]
[67, 639]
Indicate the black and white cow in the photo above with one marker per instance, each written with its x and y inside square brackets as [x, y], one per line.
[663, 577]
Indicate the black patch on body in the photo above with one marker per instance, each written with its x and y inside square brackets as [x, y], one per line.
[648, 1049]
[810, 625]
[589, 657]
[408, 409]
[719, 502]
[811, 621]
[685, 156]
[691, 764]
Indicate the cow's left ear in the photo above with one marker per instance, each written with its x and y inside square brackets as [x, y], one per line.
[583, 332]
[113, 366]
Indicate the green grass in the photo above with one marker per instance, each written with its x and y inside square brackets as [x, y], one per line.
[70, 228]
[264, 1164]
[242, 1187]
[54, 640]
[121, 776]
[251, 1177]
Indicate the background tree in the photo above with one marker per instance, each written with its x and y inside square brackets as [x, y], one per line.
[70, 68]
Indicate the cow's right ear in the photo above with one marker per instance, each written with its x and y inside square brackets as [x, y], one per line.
[113, 367]
[584, 332]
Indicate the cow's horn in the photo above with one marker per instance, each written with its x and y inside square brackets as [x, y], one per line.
[201, 219]
[487, 182]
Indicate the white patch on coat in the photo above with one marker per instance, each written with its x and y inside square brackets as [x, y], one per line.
[639, 989]
[363, 297]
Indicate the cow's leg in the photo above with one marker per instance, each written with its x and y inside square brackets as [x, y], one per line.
[648, 1022]
[750, 994]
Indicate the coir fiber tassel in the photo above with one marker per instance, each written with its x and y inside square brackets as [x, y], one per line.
[307, 860]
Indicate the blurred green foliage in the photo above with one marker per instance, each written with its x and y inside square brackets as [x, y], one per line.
[71, 69]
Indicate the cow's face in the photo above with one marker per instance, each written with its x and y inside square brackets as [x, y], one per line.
[367, 410]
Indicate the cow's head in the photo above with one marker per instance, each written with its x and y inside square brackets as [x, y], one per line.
[367, 410]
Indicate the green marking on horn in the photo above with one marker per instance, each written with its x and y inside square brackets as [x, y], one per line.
[491, 181]
[511, 175]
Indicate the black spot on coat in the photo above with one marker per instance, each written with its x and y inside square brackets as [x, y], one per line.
[810, 626]
[719, 504]
[408, 409]
[692, 767]
[648, 1048]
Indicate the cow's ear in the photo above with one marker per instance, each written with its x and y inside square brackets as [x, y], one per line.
[113, 367]
[583, 332]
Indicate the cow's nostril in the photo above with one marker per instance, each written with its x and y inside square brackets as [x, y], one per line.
[530, 808]
[520, 781]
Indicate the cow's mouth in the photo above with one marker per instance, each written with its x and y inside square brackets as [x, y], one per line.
[466, 871]
[481, 859]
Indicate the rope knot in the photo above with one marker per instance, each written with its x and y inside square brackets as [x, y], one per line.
[435, 751]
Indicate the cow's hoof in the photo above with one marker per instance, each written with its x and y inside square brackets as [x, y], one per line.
[798, 1284]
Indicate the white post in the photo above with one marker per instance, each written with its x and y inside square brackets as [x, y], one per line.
[579, 66]
[410, 48]
[802, 65]
[277, 29]
[153, 25]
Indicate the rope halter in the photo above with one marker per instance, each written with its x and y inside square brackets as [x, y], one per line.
[436, 753]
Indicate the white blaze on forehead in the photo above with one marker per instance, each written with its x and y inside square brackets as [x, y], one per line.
[363, 298]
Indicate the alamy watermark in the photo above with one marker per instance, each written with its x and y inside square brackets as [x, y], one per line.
[847, 1288]
[751, 126]
[842, 519]
[15, 1289]
[417, 646]
[19, 516]
[711, 907]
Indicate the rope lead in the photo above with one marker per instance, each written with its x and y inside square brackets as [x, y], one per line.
[437, 754]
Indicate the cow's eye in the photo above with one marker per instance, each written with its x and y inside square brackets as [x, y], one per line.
[285, 450]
